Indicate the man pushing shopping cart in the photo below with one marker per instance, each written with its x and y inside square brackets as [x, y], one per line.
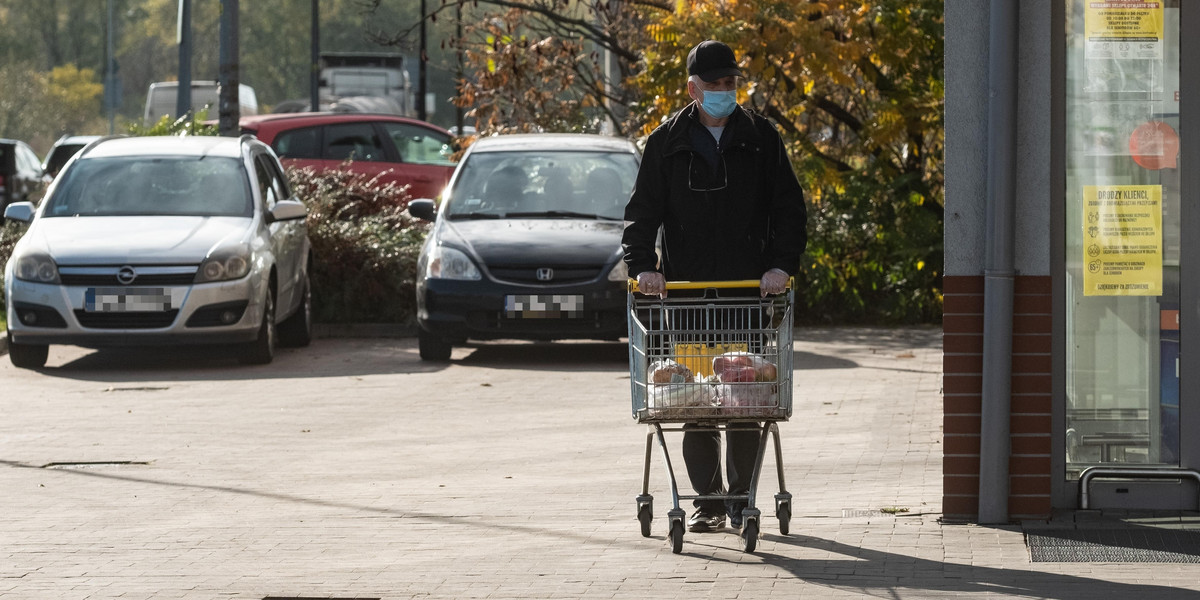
[716, 189]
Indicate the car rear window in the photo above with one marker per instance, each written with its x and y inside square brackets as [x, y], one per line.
[298, 143]
[158, 186]
[353, 141]
[419, 145]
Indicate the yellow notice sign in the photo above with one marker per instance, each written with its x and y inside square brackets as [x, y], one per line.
[1123, 29]
[1122, 240]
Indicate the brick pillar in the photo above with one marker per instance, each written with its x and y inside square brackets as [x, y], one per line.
[1029, 463]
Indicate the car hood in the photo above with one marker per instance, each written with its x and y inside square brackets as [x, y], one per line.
[141, 240]
[536, 242]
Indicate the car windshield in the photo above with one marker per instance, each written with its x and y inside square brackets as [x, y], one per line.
[153, 185]
[592, 185]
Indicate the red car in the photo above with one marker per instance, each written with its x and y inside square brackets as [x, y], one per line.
[398, 149]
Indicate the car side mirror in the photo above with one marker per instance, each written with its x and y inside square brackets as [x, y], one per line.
[423, 209]
[19, 211]
[287, 210]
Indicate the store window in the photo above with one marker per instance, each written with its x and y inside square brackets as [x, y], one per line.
[1122, 233]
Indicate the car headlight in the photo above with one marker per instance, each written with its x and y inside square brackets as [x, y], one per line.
[450, 263]
[224, 265]
[619, 272]
[37, 267]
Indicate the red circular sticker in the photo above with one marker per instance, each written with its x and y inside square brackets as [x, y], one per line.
[1154, 145]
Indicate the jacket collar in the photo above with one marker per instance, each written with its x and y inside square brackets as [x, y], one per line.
[741, 124]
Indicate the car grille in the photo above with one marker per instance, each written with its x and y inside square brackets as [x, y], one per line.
[126, 320]
[522, 274]
[146, 275]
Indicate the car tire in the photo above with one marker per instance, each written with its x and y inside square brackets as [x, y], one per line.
[296, 330]
[262, 350]
[432, 347]
[27, 356]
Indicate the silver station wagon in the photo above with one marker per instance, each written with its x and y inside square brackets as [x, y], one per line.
[162, 240]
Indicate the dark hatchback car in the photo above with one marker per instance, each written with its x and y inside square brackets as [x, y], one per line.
[527, 243]
[395, 149]
[21, 176]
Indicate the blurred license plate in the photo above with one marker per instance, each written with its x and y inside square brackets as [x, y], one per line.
[127, 300]
[543, 306]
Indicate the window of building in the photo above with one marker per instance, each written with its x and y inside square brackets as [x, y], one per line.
[1122, 233]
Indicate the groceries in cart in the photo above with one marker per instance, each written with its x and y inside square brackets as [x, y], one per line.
[675, 391]
[735, 379]
[746, 380]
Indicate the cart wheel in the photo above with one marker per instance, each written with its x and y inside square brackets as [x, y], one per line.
[750, 535]
[676, 537]
[645, 515]
[784, 512]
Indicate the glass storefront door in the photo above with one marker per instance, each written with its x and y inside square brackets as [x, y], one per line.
[1124, 260]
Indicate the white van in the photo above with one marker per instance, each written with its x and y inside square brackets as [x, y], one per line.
[161, 99]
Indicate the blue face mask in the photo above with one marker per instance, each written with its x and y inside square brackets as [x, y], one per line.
[719, 104]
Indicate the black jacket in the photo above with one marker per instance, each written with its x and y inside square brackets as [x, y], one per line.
[735, 221]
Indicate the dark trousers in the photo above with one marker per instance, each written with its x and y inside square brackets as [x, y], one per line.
[702, 455]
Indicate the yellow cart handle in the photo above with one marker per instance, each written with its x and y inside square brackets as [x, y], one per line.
[704, 285]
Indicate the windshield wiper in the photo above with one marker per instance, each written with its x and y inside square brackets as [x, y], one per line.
[563, 213]
[472, 216]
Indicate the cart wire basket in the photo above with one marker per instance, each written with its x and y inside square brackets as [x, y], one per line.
[709, 356]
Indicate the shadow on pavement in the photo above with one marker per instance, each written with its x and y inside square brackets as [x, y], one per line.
[324, 358]
[350, 357]
[872, 572]
[338, 357]
[885, 339]
[548, 356]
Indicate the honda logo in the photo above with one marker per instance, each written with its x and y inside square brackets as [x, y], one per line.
[126, 275]
[545, 274]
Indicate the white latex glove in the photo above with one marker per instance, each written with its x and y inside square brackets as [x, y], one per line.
[652, 283]
[773, 282]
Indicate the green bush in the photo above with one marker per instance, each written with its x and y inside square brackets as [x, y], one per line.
[365, 247]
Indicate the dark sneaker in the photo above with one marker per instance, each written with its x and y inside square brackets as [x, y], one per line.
[702, 521]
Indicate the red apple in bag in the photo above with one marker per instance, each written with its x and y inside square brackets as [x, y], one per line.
[733, 359]
[737, 374]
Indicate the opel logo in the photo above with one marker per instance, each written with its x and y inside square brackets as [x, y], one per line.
[545, 274]
[126, 275]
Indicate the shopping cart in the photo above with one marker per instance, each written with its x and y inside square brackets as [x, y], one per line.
[715, 358]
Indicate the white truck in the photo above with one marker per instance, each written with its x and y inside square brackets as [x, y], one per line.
[162, 97]
[346, 75]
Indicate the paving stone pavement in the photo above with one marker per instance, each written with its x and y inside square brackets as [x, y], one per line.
[350, 469]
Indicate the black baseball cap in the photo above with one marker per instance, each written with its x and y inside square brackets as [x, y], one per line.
[711, 60]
